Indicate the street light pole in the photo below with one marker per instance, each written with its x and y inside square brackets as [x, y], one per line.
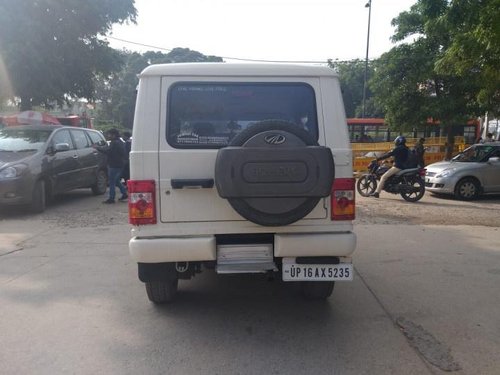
[369, 6]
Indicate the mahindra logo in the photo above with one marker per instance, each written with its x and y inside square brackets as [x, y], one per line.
[275, 139]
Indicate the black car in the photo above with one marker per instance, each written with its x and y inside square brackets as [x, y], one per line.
[40, 161]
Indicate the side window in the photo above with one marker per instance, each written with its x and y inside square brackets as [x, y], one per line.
[81, 140]
[96, 138]
[210, 115]
[62, 136]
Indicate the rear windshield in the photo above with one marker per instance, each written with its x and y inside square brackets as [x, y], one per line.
[210, 115]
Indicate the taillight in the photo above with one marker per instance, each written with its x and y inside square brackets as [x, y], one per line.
[422, 172]
[342, 202]
[141, 202]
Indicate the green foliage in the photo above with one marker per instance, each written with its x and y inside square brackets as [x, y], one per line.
[351, 74]
[52, 49]
[180, 55]
[117, 93]
[104, 126]
[408, 84]
[474, 49]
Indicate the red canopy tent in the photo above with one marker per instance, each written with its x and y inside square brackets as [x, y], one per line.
[30, 118]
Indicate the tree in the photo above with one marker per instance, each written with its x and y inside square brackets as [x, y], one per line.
[408, 84]
[117, 93]
[53, 49]
[351, 74]
[475, 47]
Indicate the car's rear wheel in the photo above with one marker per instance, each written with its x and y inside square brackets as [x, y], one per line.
[39, 198]
[467, 189]
[163, 291]
[101, 183]
[317, 290]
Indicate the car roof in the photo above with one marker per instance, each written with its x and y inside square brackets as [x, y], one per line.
[237, 69]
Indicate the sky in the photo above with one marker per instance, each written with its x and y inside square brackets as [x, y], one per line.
[274, 30]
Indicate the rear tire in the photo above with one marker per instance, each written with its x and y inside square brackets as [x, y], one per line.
[317, 290]
[39, 199]
[160, 292]
[366, 185]
[419, 185]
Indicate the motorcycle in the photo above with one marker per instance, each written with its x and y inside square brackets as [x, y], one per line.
[409, 183]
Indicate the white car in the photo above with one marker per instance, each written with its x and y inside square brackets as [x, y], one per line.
[241, 168]
[473, 172]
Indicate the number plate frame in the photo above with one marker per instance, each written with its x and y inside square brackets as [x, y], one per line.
[316, 272]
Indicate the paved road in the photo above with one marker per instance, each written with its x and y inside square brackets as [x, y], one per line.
[424, 300]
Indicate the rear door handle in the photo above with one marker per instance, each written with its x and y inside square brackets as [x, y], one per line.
[205, 183]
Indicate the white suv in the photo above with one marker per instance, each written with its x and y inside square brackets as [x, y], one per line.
[241, 168]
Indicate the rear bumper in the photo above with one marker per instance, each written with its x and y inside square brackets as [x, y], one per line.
[172, 249]
[314, 244]
[204, 248]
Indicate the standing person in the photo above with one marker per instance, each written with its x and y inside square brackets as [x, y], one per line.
[400, 153]
[128, 147]
[419, 152]
[115, 153]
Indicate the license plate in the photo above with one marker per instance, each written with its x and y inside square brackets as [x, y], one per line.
[317, 272]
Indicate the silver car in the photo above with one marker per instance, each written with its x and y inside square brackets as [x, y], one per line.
[473, 172]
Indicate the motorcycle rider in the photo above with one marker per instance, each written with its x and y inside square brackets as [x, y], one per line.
[400, 153]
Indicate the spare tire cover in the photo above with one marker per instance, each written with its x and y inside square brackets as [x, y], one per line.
[274, 173]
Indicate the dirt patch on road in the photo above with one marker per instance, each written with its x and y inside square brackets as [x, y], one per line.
[435, 210]
[78, 208]
[428, 346]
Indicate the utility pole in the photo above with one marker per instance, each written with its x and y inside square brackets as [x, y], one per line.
[369, 6]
